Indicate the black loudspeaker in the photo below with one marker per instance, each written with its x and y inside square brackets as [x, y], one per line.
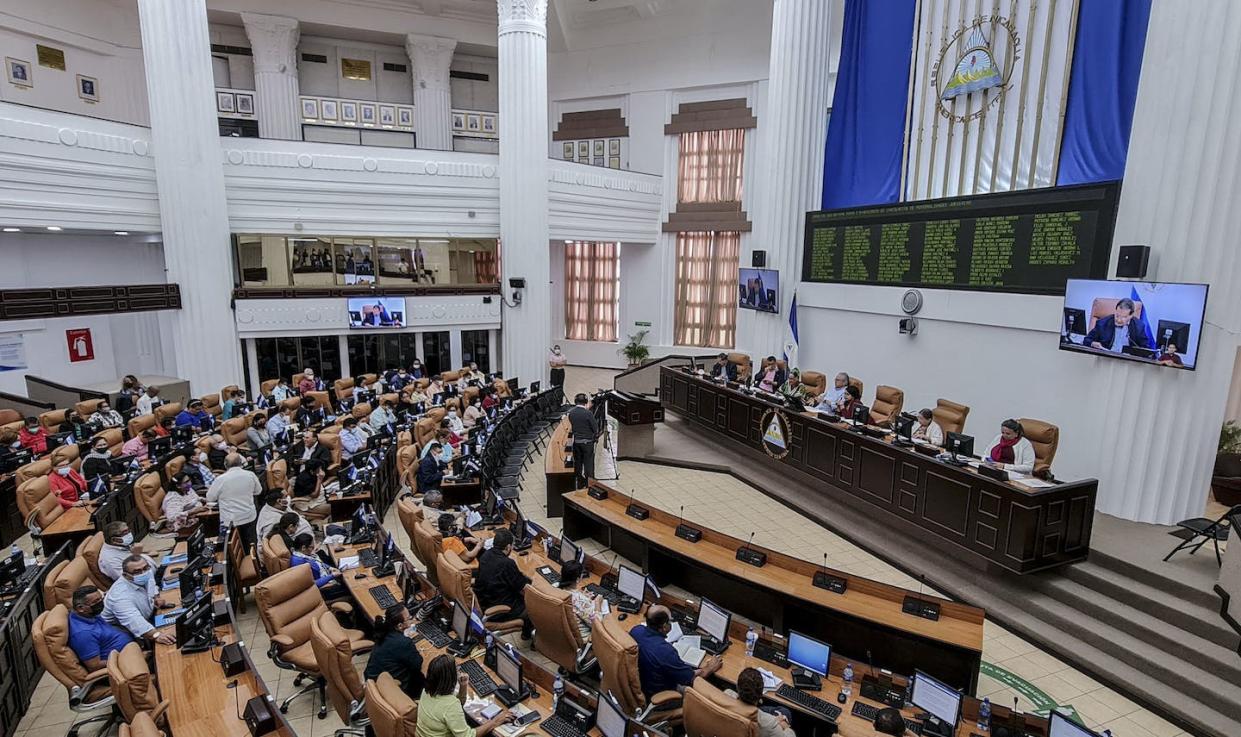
[1132, 262]
[758, 259]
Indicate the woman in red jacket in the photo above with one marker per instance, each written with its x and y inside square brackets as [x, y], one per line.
[67, 484]
[33, 436]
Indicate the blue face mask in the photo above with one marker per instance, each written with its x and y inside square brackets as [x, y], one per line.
[142, 579]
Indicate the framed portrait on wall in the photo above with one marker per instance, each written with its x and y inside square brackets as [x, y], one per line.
[88, 88]
[613, 162]
[387, 115]
[310, 108]
[473, 122]
[224, 102]
[19, 72]
[245, 104]
[348, 112]
[329, 110]
[405, 117]
[598, 148]
[489, 124]
[614, 147]
[458, 121]
[597, 161]
[568, 150]
[367, 111]
[583, 151]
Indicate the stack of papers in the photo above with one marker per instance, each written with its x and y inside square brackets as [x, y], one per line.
[351, 562]
[770, 681]
[689, 647]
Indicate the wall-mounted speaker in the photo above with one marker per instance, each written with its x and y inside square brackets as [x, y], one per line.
[758, 259]
[1132, 262]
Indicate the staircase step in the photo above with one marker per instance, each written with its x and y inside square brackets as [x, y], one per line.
[1166, 581]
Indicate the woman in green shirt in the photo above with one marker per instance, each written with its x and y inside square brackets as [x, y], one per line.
[440, 710]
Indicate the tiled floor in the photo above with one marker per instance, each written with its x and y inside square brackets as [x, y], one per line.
[723, 503]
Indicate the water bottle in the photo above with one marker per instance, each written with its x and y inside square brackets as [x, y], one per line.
[557, 692]
[847, 689]
[15, 552]
[984, 716]
[751, 637]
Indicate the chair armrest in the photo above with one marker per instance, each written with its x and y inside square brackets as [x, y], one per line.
[666, 700]
[496, 611]
[361, 646]
[159, 713]
[342, 607]
[78, 694]
[281, 641]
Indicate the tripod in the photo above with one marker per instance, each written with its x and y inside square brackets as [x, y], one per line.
[608, 443]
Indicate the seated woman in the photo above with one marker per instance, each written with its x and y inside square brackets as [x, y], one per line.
[106, 417]
[98, 462]
[67, 484]
[1010, 450]
[33, 436]
[308, 495]
[412, 395]
[927, 428]
[302, 553]
[472, 415]
[852, 400]
[447, 435]
[182, 505]
[435, 387]
[770, 376]
[441, 710]
[257, 435]
[572, 574]
[396, 654]
[793, 388]
[467, 549]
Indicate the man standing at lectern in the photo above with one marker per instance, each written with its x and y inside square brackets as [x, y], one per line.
[585, 430]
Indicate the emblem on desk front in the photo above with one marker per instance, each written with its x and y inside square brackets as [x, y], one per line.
[776, 435]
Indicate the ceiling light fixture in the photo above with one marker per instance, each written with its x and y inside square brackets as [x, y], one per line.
[54, 228]
[120, 232]
[12, 230]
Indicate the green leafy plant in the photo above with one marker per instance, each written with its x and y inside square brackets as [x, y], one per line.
[1230, 437]
[636, 352]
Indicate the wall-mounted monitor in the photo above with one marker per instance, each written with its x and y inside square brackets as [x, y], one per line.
[376, 312]
[1149, 322]
[759, 289]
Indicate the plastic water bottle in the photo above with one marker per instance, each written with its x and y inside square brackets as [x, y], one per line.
[751, 637]
[847, 689]
[557, 691]
[15, 552]
[984, 716]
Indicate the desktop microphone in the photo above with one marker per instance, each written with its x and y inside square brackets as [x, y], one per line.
[918, 606]
[611, 574]
[746, 554]
[684, 531]
[635, 510]
[824, 580]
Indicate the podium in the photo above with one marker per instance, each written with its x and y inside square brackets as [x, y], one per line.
[635, 416]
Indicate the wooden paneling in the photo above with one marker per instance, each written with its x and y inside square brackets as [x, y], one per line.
[378, 291]
[712, 115]
[589, 124]
[43, 302]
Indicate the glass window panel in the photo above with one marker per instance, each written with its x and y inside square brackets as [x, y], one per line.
[311, 261]
[409, 348]
[355, 261]
[263, 261]
[474, 347]
[269, 361]
[434, 266]
[436, 354]
[288, 353]
[396, 260]
[329, 357]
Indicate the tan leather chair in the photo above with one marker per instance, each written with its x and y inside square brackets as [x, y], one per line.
[30, 492]
[334, 653]
[501, 387]
[815, 382]
[424, 431]
[296, 379]
[275, 555]
[293, 403]
[142, 726]
[87, 407]
[171, 409]
[52, 419]
[9, 416]
[343, 389]
[331, 441]
[174, 466]
[427, 543]
[409, 514]
[618, 663]
[266, 387]
[211, 403]
[137, 424]
[278, 475]
[320, 400]
[362, 412]
[556, 631]
[887, 405]
[115, 438]
[1045, 437]
[34, 469]
[855, 381]
[227, 392]
[469, 397]
[89, 550]
[1105, 307]
[43, 513]
[406, 458]
[234, 431]
[243, 566]
[456, 583]
[149, 497]
[133, 685]
[950, 416]
[709, 712]
[450, 376]
[743, 363]
[287, 603]
[63, 453]
[68, 576]
[393, 713]
[88, 690]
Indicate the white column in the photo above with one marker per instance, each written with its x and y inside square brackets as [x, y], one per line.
[523, 186]
[189, 175]
[273, 41]
[454, 348]
[430, 58]
[1158, 428]
[792, 131]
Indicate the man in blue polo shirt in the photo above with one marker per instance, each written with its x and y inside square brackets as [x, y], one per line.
[91, 638]
[660, 668]
[194, 415]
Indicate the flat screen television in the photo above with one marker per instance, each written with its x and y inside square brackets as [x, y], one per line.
[759, 289]
[376, 312]
[1148, 322]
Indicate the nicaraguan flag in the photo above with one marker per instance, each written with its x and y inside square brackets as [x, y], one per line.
[1146, 326]
[790, 336]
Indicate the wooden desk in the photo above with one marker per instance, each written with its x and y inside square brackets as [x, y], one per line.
[72, 527]
[999, 524]
[561, 478]
[343, 507]
[867, 617]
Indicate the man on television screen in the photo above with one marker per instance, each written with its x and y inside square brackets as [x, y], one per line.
[377, 315]
[1118, 330]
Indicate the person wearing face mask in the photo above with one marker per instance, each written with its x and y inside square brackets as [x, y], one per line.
[279, 423]
[90, 637]
[472, 415]
[556, 361]
[275, 506]
[383, 419]
[118, 544]
[182, 505]
[416, 371]
[445, 448]
[360, 388]
[441, 711]
[198, 470]
[352, 439]
[106, 417]
[165, 427]
[131, 389]
[10, 442]
[435, 387]
[234, 491]
[148, 401]
[196, 416]
[398, 379]
[257, 435]
[132, 601]
[302, 553]
[308, 383]
[218, 451]
[137, 445]
[396, 654]
[470, 374]
[98, 462]
[68, 485]
[233, 405]
[411, 394]
[33, 436]
[489, 398]
[453, 421]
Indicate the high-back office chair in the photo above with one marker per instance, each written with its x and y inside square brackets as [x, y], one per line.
[321, 400]
[1045, 437]
[266, 387]
[409, 514]
[89, 550]
[293, 403]
[142, 726]
[133, 685]
[88, 690]
[1104, 307]
[149, 497]
[173, 466]
[63, 580]
[556, 633]
[343, 388]
[814, 381]
[456, 582]
[887, 405]
[392, 712]
[855, 381]
[44, 512]
[211, 403]
[501, 387]
[424, 431]
[68, 453]
[275, 555]
[87, 407]
[234, 430]
[450, 376]
[334, 654]
[618, 664]
[950, 416]
[709, 712]
[743, 363]
[10, 416]
[426, 542]
[406, 458]
[34, 469]
[243, 564]
[362, 412]
[287, 603]
[1202, 529]
[171, 409]
[30, 492]
[138, 423]
[115, 438]
[469, 397]
[296, 379]
[52, 419]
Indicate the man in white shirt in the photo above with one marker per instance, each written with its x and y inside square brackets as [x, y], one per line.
[234, 491]
[279, 422]
[382, 418]
[352, 439]
[455, 423]
[149, 401]
[282, 391]
[276, 506]
[118, 544]
[835, 395]
[132, 600]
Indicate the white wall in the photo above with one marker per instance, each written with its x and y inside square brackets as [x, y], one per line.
[471, 94]
[326, 79]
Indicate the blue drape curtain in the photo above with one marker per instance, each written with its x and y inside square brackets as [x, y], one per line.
[1103, 87]
[866, 132]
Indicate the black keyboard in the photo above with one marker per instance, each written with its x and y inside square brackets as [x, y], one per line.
[436, 636]
[367, 558]
[609, 595]
[549, 575]
[557, 727]
[807, 701]
[28, 576]
[868, 712]
[480, 681]
[913, 726]
[383, 597]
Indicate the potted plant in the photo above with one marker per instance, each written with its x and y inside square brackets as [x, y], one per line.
[1226, 478]
[635, 351]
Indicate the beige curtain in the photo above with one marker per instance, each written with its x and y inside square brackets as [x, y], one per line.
[705, 313]
[590, 295]
[709, 166]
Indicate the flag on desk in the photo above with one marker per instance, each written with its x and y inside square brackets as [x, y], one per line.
[790, 336]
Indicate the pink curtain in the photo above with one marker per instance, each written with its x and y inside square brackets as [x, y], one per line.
[709, 166]
[590, 296]
[705, 311]
[486, 267]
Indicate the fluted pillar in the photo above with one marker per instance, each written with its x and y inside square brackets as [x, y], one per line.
[430, 57]
[189, 175]
[792, 128]
[1158, 428]
[523, 185]
[273, 41]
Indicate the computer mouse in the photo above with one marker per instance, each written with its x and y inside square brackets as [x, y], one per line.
[622, 617]
[360, 575]
[841, 697]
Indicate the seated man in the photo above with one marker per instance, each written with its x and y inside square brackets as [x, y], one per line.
[1117, 330]
[279, 422]
[430, 472]
[195, 416]
[889, 721]
[500, 582]
[91, 638]
[834, 397]
[198, 468]
[467, 548]
[148, 401]
[137, 445]
[660, 668]
[723, 368]
[132, 601]
[352, 439]
[326, 578]
[276, 505]
[118, 544]
[773, 721]
[382, 418]
[310, 449]
[445, 449]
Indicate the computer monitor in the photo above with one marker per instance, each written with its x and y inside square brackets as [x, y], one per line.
[11, 568]
[508, 667]
[194, 626]
[183, 433]
[861, 414]
[610, 718]
[190, 581]
[512, 384]
[1171, 331]
[194, 543]
[1058, 725]
[712, 619]
[941, 701]
[16, 460]
[569, 550]
[1074, 321]
[809, 653]
[460, 622]
[158, 447]
[959, 444]
[632, 583]
[903, 426]
[535, 386]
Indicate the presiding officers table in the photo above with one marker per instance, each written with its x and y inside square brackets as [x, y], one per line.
[1003, 524]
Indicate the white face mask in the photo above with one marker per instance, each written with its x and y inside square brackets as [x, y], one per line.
[221, 446]
[15, 444]
[64, 471]
[202, 457]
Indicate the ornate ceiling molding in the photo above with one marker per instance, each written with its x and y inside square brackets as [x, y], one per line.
[522, 12]
[273, 41]
[431, 57]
